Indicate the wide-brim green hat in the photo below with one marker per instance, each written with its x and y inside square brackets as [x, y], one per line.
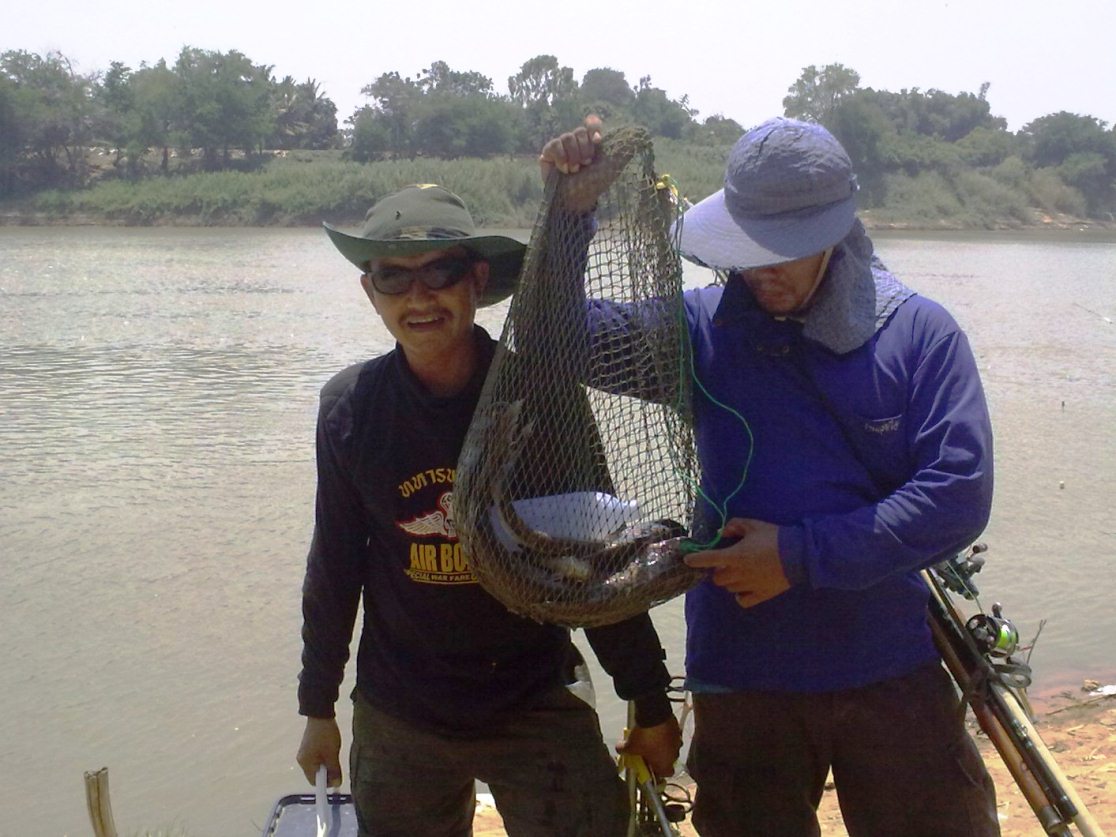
[425, 217]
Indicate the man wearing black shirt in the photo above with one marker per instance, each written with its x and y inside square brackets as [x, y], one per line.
[451, 686]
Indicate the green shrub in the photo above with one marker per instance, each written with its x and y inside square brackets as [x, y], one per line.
[987, 203]
[1049, 192]
[927, 199]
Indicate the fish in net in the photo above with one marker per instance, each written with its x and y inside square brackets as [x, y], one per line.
[576, 483]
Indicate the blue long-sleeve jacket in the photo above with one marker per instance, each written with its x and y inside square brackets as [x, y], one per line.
[862, 432]
[875, 463]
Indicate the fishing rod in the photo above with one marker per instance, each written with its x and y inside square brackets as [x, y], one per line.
[978, 653]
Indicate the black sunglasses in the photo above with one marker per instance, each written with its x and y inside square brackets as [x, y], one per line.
[443, 273]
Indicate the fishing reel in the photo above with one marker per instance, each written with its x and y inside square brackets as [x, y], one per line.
[997, 638]
[994, 635]
[957, 573]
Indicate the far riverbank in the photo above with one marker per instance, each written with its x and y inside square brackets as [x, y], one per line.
[1043, 222]
[306, 188]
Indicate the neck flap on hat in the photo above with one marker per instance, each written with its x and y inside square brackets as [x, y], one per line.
[856, 297]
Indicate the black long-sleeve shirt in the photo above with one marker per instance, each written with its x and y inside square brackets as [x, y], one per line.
[435, 648]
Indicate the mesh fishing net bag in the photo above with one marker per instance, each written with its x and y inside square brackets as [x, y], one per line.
[575, 486]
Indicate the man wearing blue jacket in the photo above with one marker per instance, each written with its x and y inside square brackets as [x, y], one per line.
[849, 411]
[845, 445]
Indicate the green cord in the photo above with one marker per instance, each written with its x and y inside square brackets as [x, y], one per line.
[668, 182]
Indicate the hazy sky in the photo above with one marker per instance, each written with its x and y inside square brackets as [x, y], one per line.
[732, 58]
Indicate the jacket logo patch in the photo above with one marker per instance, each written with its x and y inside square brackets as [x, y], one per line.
[883, 426]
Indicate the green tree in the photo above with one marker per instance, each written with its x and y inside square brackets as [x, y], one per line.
[935, 113]
[390, 119]
[439, 78]
[915, 153]
[304, 116]
[11, 137]
[541, 81]
[50, 106]
[913, 132]
[225, 103]
[442, 112]
[1080, 151]
[454, 126]
[115, 100]
[460, 115]
[987, 147]
[371, 137]
[1090, 173]
[547, 95]
[606, 92]
[1050, 140]
[661, 115]
[717, 130]
[859, 124]
[817, 92]
[156, 111]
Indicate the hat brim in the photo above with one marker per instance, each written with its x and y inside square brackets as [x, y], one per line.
[503, 254]
[712, 237]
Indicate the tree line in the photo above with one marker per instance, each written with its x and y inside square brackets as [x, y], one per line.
[210, 111]
[954, 136]
[51, 116]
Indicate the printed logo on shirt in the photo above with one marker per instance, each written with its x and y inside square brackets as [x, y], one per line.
[440, 560]
[437, 523]
[424, 479]
[439, 563]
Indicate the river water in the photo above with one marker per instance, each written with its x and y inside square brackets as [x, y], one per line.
[157, 400]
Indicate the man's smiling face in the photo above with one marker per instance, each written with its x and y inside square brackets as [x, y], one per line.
[428, 323]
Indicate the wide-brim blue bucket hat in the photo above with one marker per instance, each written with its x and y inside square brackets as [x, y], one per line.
[425, 217]
[789, 193]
